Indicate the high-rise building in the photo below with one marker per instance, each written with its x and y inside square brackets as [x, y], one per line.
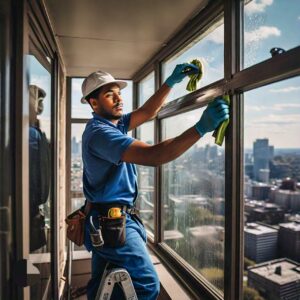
[264, 175]
[276, 280]
[260, 242]
[262, 154]
[289, 240]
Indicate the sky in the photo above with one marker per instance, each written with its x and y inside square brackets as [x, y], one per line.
[271, 112]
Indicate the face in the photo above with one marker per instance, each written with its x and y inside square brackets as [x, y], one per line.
[109, 104]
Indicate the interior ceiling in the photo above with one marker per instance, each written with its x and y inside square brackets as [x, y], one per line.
[117, 36]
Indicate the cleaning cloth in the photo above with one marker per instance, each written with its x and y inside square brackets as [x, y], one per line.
[219, 133]
[195, 77]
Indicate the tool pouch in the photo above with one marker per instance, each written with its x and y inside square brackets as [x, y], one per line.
[75, 228]
[113, 231]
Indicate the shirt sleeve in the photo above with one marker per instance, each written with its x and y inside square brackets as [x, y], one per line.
[109, 143]
[126, 121]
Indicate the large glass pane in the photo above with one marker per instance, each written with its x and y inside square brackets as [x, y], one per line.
[269, 24]
[145, 201]
[40, 170]
[146, 88]
[209, 48]
[83, 110]
[272, 191]
[193, 200]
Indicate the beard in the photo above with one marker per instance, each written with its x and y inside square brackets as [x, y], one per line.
[109, 116]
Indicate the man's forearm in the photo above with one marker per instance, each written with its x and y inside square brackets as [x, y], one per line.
[168, 150]
[155, 102]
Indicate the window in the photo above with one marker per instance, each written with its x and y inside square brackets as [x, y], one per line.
[145, 201]
[269, 24]
[193, 201]
[209, 48]
[146, 88]
[272, 176]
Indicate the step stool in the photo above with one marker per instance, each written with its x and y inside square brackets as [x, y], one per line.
[112, 275]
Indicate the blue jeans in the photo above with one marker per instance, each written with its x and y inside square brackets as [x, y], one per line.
[133, 256]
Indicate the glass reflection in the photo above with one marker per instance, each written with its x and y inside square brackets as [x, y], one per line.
[269, 24]
[40, 170]
[194, 205]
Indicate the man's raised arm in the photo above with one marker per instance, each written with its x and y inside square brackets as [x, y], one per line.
[149, 110]
[154, 155]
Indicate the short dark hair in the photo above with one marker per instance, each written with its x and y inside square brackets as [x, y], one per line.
[94, 94]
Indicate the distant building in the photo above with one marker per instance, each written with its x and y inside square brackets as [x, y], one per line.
[260, 242]
[262, 154]
[264, 175]
[288, 184]
[249, 170]
[289, 240]
[276, 280]
[260, 211]
[260, 191]
[287, 199]
[205, 234]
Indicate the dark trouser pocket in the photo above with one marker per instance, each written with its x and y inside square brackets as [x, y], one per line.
[113, 231]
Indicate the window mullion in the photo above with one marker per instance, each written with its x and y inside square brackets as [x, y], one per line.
[233, 156]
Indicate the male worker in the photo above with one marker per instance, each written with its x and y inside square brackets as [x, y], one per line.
[109, 173]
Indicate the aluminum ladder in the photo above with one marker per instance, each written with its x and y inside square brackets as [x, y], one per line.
[113, 275]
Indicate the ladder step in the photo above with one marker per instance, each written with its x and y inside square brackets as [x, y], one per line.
[110, 278]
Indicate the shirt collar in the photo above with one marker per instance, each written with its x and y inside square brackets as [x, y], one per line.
[97, 117]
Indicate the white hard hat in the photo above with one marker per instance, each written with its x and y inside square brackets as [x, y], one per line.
[96, 80]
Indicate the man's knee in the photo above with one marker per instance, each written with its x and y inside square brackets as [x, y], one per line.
[151, 287]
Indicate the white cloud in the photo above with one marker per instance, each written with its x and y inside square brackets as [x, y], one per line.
[255, 108]
[257, 6]
[217, 35]
[263, 32]
[285, 89]
[299, 18]
[274, 107]
[283, 106]
[278, 119]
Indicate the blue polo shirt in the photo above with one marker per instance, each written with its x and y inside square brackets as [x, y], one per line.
[106, 178]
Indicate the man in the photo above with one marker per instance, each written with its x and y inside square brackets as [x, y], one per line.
[109, 174]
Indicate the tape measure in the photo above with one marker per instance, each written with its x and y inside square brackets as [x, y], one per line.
[114, 212]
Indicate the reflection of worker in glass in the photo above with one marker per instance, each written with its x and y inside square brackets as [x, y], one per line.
[39, 177]
[109, 173]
